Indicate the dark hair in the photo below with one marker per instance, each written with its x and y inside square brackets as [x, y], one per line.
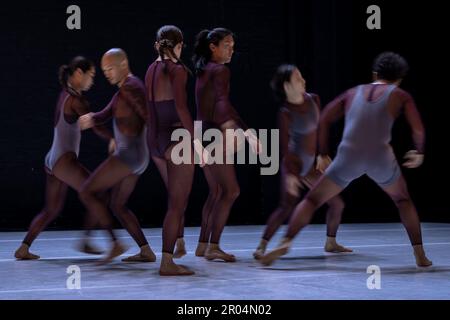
[282, 74]
[168, 37]
[390, 66]
[65, 71]
[202, 52]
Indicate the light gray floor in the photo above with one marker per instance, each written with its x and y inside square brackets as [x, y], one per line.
[307, 272]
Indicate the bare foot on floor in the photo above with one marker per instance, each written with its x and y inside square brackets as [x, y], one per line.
[336, 248]
[23, 253]
[180, 249]
[259, 253]
[421, 258]
[214, 252]
[86, 247]
[261, 250]
[146, 255]
[140, 257]
[116, 250]
[201, 249]
[273, 255]
[169, 268]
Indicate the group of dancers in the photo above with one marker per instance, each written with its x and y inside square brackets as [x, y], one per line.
[144, 116]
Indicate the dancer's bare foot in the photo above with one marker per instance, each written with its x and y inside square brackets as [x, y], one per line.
[169, 268]
[273, 255]
[88, 248]
[259, 252]
[23, 253]
[214, 252]
[180, 249]
[421, 259]
[332, 246]
[116, 250]
[201, 249]
[146, 255]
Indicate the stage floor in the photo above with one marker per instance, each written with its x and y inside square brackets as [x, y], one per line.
[306, 272]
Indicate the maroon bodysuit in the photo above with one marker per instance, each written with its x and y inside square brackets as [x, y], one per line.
[212, 90]
[166, 90]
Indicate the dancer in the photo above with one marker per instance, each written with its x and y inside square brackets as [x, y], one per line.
[121, 170]
[298, 122]
[61, 163]
[166, 87]
[212, 50]
[370, 111]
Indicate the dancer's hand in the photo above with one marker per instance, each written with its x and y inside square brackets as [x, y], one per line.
[112, 146]
[292, 184]
[414, 159]
[254, 142]
[86, 121]
[202, 153]
[322, 163]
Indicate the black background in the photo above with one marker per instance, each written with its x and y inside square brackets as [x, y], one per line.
[327, 39]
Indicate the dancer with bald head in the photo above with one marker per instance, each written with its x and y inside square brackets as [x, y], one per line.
[121, 170]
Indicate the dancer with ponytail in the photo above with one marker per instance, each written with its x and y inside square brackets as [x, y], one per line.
[213, 49]
[166, 88]
[62, 167]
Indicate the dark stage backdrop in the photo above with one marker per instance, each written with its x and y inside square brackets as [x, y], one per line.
[327, 39]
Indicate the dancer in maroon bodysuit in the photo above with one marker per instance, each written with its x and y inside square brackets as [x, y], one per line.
[298, 122]
[166, 88]
[121, 171]
[370, 111]
[61, 163]
[212, 50]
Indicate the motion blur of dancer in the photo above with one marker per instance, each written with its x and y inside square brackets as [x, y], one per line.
[62, 167]
[121, 170]
[298, 121]
[370, 111]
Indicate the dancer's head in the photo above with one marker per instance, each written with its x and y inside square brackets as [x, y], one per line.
[115, 66]
[288, 84]
[213, 45]
[78, 74]
[169, 44]
[390, 67]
